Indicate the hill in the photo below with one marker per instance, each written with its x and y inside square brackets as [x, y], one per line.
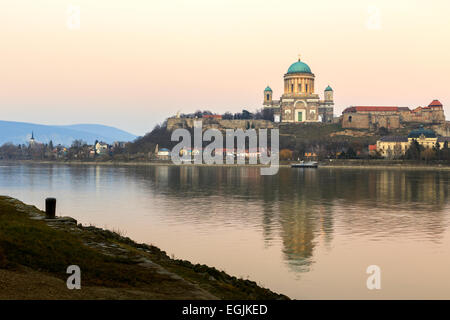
[20, 133]
[324, 139]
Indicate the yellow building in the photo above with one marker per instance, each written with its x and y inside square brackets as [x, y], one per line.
[393, 146]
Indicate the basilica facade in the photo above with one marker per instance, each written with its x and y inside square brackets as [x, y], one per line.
[299, 103]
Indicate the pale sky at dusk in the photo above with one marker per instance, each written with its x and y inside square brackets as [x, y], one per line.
[131, 63]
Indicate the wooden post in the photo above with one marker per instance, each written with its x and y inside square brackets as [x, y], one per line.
[50, 208]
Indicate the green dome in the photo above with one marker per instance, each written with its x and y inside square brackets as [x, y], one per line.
[299, 67]
[328, 89]
[421, 131]
[267, 89]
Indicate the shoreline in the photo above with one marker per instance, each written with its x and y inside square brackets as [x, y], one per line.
[113, 266]
[334, 164]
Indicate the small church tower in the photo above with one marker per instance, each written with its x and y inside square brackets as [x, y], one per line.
[32, 141]
[267, 96]
[328, 94]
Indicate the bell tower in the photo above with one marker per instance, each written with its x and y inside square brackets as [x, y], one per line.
[267, 96]
[328, 94]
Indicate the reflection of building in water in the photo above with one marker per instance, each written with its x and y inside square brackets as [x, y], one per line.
[397, 187]
[371, 202]
[304, 221]
[300, 209]
[326, 223]
[395, 203]
[161, 177]
[298, 228]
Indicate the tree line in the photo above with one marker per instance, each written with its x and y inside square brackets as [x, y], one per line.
[261, 114]
[78, 150]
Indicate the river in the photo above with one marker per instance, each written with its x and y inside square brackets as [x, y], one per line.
[306, 233]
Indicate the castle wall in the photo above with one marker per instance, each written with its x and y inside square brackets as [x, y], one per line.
[424, 116]
[178, 123]
[355, 120]
[373, 120]
[442, 129]
[388, 122]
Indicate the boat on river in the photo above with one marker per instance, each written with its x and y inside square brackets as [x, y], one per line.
[305, 164]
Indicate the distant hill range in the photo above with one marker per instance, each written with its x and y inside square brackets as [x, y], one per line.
[20, 133]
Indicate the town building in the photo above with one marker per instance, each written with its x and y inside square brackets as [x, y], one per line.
[372, 149]
[299, 103]
[163, 154]
[393, 146]
[101, 148]
[391, 117]
[119, 144]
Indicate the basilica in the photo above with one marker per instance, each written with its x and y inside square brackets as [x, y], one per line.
[299, 103]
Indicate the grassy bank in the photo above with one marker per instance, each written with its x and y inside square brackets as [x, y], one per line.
[36, 252]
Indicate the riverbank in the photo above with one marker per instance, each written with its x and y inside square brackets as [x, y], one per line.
[384, 164]
[331, 163]
[133, 163]
[35, 253]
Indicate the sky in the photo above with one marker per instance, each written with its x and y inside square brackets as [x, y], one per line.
[133, 63]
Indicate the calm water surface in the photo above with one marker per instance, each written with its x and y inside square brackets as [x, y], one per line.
[305, 233]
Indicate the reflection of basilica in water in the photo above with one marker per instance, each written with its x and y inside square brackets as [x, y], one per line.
[303, 208]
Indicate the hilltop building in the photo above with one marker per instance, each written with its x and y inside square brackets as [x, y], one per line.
[299, 103]
[373, 118]
[389, 146]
